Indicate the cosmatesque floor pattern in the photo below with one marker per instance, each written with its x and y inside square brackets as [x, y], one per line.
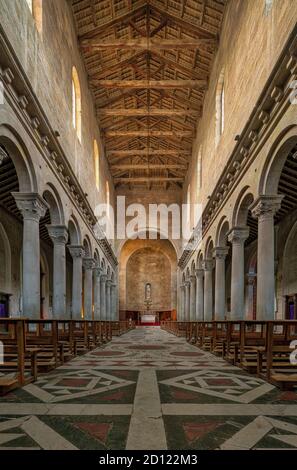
[148, 390]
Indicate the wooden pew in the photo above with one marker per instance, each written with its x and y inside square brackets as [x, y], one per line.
[275, 359]
[43, 334]
[19, 363]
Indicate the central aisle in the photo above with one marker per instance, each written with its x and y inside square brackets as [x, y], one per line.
[148, 390]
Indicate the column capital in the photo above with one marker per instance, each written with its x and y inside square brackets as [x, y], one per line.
[238, 235]
[182, 286]
[266, 206]
[97, 271]
[103, 278]
[108, 283]
[199, 273]
[88, 263]
[192, 278]
[208, 264]
[76, 251]
[251, 278]
[31, 205]
[220, 252]
[187, 283]
[58, 234]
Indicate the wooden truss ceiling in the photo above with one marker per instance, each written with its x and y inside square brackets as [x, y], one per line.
[148, 64]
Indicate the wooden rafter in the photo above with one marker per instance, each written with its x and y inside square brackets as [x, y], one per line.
[146, 44]
[148, 63]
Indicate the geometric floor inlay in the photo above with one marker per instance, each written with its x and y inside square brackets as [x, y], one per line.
[148, 390]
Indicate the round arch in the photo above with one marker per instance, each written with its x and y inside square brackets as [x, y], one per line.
[276, 158]
[11, 142]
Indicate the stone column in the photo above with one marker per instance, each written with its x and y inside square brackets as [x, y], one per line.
[59, 237]
[88, 264]
[108, 303]
[208, 265]
[113, 307]
[103, 279]
[251, 279]
[237, 236]
[264, 208]
[193, 297]
[182, 302]
[220, 254]
[77, 253]
[187, 301]
[200, 294]
[96, 274]
[32, 208]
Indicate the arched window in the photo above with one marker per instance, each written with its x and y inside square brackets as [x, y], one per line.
[35, 7]
[268, 6]
[199, 169]
[220, 108]
[189, 204]
[107, 199]
[96, 164]
[76, 103]
[30, 4]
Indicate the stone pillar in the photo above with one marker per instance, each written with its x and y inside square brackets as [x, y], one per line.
[77, 253]
[187, 301]
[208, 265]
[264, 208]
[113, 298]
[200, 294]
[182, 302]
[96, 274]
[88, 264]
[237, 236]
[108, 300]
[251, 279]
[59, 237]
[193, 297]
[32, 208]
[220, 254]
[103, 279]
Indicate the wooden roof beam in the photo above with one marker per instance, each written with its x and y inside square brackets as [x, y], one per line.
[145, 152]
[149, 133]
[121, 19]
[142, 179]
[147, 44]
[186, 25]
[148, 166]
[147, 112]
[150, 84]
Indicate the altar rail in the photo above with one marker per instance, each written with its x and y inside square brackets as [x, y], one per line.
[34, 346]
[265, 348]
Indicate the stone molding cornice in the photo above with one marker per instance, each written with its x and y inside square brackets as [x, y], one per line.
[272, 103]
[20, 94]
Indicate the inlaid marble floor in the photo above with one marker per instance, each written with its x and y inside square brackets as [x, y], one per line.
[148, 390]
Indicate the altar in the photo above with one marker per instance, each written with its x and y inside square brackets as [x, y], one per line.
[148, 318]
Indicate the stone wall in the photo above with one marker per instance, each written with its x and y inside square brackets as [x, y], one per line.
[251, 41]
[47, 58]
